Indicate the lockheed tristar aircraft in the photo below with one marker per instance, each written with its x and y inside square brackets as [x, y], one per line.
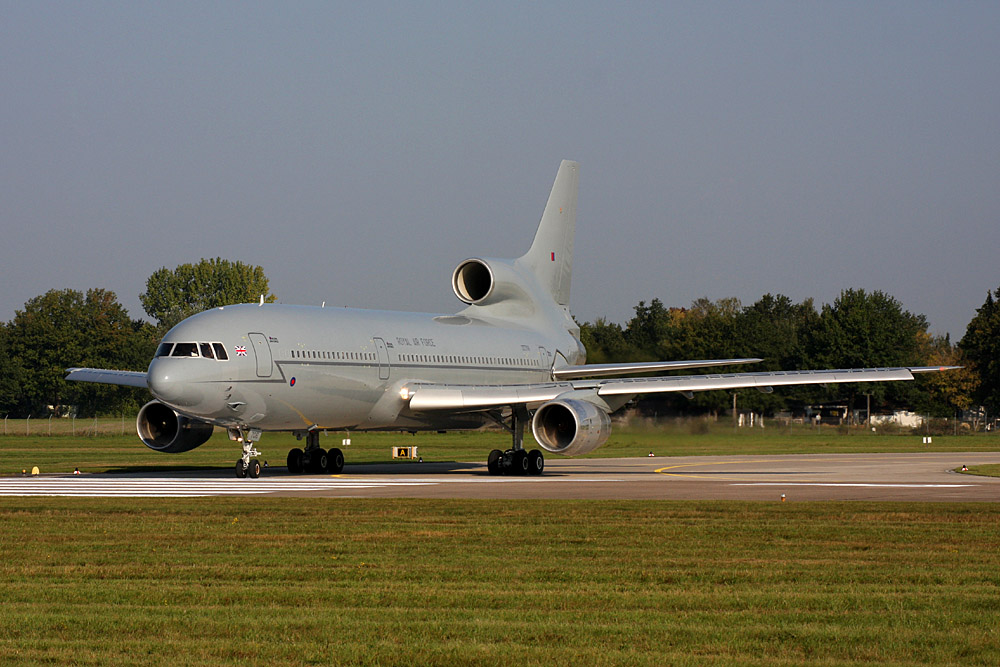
[512, 356]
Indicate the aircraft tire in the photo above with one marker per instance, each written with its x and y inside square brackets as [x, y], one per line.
[519, 463]
[254, 469]
[334, 461]
[493, 462]
[319, 461]
[295, 461]
[241, 469]
[536, 462]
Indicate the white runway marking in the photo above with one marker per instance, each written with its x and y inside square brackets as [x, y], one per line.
[174, 488]
[857, 484]
[113, 487]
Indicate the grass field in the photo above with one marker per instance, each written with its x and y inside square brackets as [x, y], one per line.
[402, 582]
[985, 470]
[108, 449]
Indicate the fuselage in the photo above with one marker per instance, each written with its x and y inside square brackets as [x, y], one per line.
[304, 367]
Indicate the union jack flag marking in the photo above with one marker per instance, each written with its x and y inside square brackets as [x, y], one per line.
[241, 351]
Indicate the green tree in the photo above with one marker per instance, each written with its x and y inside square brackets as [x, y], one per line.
[11, 373]
[711, 328]
[605, 342]
[172, 295]
[706, 330]
[775, 329]
[649, 328]
[65, 328]
[952, 392]
[981, 345]
[868, 330]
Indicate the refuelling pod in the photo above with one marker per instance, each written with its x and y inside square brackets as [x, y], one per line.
[162, 429]
[570, 427]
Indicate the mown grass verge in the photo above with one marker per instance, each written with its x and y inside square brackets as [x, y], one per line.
[402, 582]
[986, 470]
[63, 453]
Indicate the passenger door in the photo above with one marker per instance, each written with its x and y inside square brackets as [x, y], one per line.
[383, 359]
[262, 350]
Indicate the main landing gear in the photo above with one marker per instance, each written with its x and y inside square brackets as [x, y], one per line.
[246, 465]
[516, 460]
[314, 459]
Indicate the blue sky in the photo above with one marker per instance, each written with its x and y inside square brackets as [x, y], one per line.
[359, 151]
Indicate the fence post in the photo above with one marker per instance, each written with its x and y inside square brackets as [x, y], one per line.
[74, 424]
[27, 425]
[5, 424]
[50, 424]
[123, 423]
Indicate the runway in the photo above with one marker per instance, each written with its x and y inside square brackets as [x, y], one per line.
[881, 477]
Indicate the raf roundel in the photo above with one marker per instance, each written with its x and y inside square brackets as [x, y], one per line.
[291, 383]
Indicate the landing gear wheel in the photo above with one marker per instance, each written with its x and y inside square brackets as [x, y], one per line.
[519, 463]
[254, 469]
[246, 437]
[536, 462]
[334, 461]
[494, 462]
[295, 461]
[319, 461]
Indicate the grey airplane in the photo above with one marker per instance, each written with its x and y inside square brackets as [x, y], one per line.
[512, 356]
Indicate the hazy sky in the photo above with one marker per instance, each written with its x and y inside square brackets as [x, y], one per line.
[359, 151]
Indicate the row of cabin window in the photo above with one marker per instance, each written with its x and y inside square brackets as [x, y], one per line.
[433, 358]
[342, 356]
[205, 350]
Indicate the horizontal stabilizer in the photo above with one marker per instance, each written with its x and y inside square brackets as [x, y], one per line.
[605, 370]
[124, 378]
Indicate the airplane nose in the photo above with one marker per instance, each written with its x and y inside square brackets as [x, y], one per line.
[160, 382]
[167, 382]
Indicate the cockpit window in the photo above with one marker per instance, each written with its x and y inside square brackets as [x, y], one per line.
[185, 350]
[204, 350]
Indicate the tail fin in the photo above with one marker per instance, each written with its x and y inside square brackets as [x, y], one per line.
[551, 254]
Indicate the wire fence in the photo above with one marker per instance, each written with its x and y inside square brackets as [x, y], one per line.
[72, 426]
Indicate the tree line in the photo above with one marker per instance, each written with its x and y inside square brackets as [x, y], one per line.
[65, 328]
[860, 329]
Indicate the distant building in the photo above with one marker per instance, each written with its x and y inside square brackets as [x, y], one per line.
[903, 418]
[827, 413]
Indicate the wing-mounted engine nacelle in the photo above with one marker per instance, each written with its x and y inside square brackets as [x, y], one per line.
[483, 282]
[570, 427]
[162, 429]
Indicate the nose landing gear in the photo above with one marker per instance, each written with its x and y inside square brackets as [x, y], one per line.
[246, 465]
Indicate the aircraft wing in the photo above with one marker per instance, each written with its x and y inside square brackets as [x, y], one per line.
[604, 370]
[427, 397]
[126, 378]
